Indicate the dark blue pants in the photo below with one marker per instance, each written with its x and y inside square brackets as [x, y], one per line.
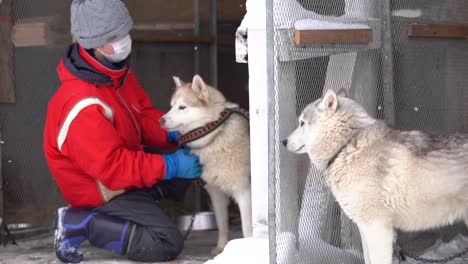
[155, 237]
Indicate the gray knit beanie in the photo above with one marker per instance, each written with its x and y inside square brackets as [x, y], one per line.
[93, 22]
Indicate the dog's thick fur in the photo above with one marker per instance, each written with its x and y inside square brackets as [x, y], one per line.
[384, 179]
[224, 153]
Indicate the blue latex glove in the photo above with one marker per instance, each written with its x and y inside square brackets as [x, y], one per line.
[173, 136]
[182, 164]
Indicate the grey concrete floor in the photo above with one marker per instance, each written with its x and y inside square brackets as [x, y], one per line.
[39, 250]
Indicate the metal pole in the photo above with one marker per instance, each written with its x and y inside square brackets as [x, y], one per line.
[214, 44]
[387, 63]
[1, 179]
[196, 70]
[196, 32]
[270, 56]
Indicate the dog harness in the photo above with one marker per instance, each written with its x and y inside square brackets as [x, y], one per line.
[200, 132]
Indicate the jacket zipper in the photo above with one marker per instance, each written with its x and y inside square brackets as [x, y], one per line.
[131, 114]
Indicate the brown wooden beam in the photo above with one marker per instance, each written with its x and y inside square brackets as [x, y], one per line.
[163, 26]
[5, 18]
[51, 31]
[438, 31]
[333, 36]
[7, 81]
[182, 11]
[139, 36]
[223, 39]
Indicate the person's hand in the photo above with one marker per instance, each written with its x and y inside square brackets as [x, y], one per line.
[182, 164]
[173, 136]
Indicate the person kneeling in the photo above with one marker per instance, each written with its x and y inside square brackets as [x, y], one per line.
[96, 126]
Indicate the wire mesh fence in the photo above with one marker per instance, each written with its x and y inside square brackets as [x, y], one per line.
[412, 83]
[29, 192]
[431, 95]
[40, 36]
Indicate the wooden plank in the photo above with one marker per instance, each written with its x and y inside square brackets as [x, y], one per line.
[51, 31]
[438, 31]
[163, 26]
[5, 18]
[7, 81]
[230, 10]
[182, 11]
[140, 36]
[333, 36]
[143, 11]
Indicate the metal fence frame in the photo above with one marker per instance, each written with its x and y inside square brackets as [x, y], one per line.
[388, 101]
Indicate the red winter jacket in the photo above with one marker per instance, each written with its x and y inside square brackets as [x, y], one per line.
[96, 125]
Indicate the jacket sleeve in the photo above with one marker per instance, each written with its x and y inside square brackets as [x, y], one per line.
[93, 143]
[152, 132]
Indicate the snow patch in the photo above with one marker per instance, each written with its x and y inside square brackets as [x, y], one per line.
[312, 24]
[243, 250]
[410, 13]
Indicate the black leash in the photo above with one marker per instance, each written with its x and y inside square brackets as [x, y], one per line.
[190, 227]
[198, 183]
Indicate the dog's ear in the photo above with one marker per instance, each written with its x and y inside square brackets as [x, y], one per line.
[177, 81]
[330, 101]
[199, 87]
[343, 92]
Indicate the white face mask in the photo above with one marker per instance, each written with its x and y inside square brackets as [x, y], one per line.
[122, 49]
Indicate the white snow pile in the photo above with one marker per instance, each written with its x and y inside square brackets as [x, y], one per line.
[243, 250]
[313, 24]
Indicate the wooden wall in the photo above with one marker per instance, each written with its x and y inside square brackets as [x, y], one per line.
[182, 10]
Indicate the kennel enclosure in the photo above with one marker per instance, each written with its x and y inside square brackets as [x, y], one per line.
[404, 61]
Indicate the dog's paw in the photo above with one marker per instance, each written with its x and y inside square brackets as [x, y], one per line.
[215, 251]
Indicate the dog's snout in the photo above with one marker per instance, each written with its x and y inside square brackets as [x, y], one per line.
[285, 142]
[162, 121]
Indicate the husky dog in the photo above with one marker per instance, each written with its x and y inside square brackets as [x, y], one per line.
[383, 179]
[224, 152]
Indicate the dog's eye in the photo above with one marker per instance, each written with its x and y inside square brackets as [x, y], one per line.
[302, 123]
[182, 107]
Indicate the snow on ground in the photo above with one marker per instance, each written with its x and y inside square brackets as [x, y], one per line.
[244, 250]
[312, 24]
[39, 250]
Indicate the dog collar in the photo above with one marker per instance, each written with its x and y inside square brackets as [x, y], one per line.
[200, 132]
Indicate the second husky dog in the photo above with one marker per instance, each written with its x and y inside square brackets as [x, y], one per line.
[384, 179]
[224, 152]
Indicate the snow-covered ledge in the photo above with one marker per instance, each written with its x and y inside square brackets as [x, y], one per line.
[254, 249]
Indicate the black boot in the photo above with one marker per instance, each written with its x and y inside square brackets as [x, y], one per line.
[75, 225]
